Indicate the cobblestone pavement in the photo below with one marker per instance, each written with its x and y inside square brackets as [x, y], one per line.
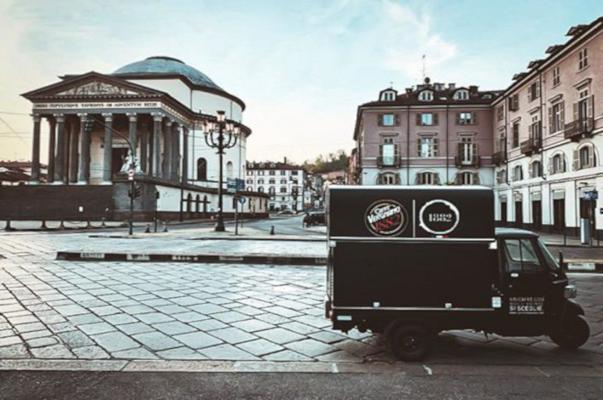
[66, 310]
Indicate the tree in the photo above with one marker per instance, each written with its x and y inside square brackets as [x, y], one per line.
[327, 163]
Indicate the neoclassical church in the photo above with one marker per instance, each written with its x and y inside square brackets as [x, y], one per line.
[147, 121]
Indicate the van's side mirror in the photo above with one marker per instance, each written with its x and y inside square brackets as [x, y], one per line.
[561, 263]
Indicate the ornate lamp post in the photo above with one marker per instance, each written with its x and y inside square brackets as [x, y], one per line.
[220, 135]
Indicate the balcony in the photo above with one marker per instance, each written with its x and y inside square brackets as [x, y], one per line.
[467, 161]
[579, 129]
[499, 157]
[532, 145]
[389, 162]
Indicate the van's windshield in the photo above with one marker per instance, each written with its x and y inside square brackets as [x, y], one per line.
[551, 262]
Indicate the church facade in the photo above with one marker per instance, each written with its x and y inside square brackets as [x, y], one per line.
[146, 122]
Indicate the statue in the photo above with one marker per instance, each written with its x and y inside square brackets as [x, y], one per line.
[127, 163]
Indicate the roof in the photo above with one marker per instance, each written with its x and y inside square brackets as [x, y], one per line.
[161, 65]
[513, 232]
[272, 165]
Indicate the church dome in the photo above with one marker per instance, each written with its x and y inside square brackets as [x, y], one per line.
[161, 65]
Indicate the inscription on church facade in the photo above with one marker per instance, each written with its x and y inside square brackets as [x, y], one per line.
[95, 88]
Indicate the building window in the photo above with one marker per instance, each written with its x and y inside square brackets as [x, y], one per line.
[467, 178]
[271, 191]
[467, 150]
[229, 170]
[534, 91]
[556, 117]
[556, 76]
[582, 59]
[517, 173]
[388, 152]
[260, 172]
[427, 119]
[388, 95]
[427, 178]
[557, 164]
[388, 178]
[515, 141]
[283, 172]
[465, 118]
[201, 169]
[461, 95]
[271, 181]
[585, 157]
[427, 147]
[426, 95]
[249, 181]
[260, 181]
[388, 120]
[514, 102]
[294, 172]
[535, 169]
[501, 176]
[500, 113]
[249, 189]
[271, 172]
[283, 189]
[261, 189]
[283, 181]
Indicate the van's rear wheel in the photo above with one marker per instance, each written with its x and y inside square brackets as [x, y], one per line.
[574, 332]
[409, 342]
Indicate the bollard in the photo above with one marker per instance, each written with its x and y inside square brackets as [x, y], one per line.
[148, 229]
[62, 225]
[103, 225]
[43, 225]
[7, 227]
[88, 225]
[165, 226]
[272, 230]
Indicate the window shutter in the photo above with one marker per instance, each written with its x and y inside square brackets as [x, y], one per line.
[563, 163]
[436, 179]
[474, 150]
[379, 119]
[397, 119]
[538, 92]
[457, 178]
[418, 119]
[417, 178]
[474, 117]
[551, 165]
[551, 124]
[435, 118]
[459, 149]
[589, 106]
[419, 147]
[476, 178]
[576, 159]
[562, 115]
[575, 111]
[397, 179]
[396, 151]
[591, 157]
[458, 118]
[435, 148]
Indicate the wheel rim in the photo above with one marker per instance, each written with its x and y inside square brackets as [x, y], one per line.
[410, 343]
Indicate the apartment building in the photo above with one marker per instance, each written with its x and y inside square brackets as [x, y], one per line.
[282, 181]
[537, 143]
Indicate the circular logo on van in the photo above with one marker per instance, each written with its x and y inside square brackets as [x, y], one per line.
[385, 218]
[439, 217]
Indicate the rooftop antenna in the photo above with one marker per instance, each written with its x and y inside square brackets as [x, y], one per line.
[423, 59]
[391, 84]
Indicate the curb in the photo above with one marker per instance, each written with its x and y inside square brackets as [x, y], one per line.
[272, 259]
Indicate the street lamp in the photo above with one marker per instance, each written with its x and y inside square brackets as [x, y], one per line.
[220, 135]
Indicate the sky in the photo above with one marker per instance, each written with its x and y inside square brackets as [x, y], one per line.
[302, 67]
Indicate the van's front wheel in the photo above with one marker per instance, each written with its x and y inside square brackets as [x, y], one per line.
[573, 333]
[409, 342]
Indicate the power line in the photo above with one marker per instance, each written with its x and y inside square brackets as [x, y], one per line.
[14, 113]
[12, 130]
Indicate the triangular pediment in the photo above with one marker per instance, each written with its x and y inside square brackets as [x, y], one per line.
[91, 85]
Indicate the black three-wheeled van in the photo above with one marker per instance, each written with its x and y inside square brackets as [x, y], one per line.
[412, 261]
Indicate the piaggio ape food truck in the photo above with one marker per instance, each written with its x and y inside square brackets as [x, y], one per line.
[412, 261]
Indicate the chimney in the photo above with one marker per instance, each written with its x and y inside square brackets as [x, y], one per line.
[285, 160]
[473, 89]
[452, 86]
[409, 91]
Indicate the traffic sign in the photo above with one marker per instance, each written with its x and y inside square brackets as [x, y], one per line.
[131, 174]
[242, 200]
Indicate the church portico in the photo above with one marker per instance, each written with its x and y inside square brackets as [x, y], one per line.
[100, 127]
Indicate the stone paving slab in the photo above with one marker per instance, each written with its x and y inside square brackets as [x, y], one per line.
[179, 311]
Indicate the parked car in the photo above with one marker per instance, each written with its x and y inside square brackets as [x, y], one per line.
[316, 217]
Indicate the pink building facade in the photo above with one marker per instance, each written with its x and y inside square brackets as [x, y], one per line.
[537, 143]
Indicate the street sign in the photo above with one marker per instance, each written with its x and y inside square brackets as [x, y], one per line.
[242, 200]
[591, 195]
[231, 185]
[131, 174]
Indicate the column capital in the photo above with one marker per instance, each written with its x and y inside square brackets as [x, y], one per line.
[83, 116]
[108, 117]
[36, 117]
[169, 122]
[157, 117]
[132, 117]
[59, 117]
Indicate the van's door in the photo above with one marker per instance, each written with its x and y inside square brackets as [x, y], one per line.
[527, 284]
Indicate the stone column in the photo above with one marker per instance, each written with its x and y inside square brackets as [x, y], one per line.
[175, 170]
[144, 144]
[73, 151]
[35, 151]
[59, 168]
[157, 132]
[132, 135]
[84, 174]
[184, 173]
[108, 150]
[51, 148]
[167, 150]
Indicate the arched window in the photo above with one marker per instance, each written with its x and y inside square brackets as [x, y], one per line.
[229, 169]
[261, 189]
[535, 169]
[283, 181]
[461, 94]
[557, 164]
[467, 178]
[201, 169]
[585, 157]
[197, 203]
[205, 204]
[427, 178]
[517, 173]
[388, 178]
[189, 203]
[426, 95]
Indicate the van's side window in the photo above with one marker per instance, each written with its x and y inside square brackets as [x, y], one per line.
[521, 256]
